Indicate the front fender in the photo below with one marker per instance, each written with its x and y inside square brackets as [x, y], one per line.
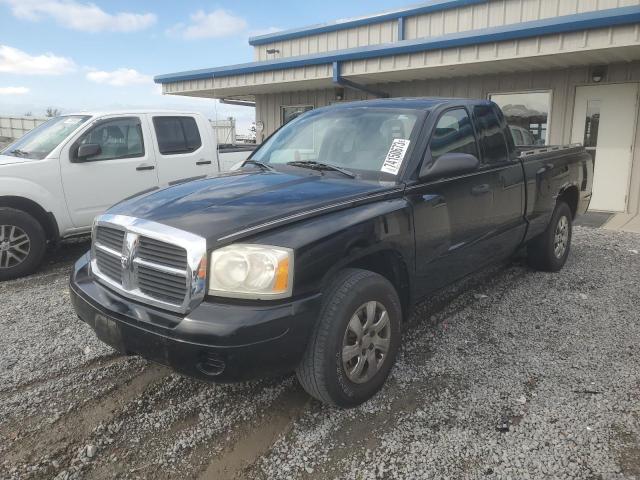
[50, 201]
[326, 244]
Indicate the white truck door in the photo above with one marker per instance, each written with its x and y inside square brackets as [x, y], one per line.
[184, 147]
[123, 164]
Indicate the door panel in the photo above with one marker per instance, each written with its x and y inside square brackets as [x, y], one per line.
[183, 145]
[124, 167]
[450, 224]
[604, 120]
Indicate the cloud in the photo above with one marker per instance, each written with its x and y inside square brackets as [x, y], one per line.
[216, 24]
[13, 90]
[121, 77]
[86, 17]
[13, 60]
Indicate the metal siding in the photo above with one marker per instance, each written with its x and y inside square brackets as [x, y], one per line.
[465, 18]
[360, 36]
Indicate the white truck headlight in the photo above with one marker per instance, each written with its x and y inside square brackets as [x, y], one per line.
[251, 271]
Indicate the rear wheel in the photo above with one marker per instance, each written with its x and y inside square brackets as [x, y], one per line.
[22, 243]
[355, 342]
[550, 250]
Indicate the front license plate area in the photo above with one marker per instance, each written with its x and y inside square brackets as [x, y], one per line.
[108, 331]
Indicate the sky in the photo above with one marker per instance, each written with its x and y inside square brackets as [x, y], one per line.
[96, 55]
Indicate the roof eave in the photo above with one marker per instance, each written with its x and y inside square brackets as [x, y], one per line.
[554, 25]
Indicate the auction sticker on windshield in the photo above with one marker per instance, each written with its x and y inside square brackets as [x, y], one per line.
[395, 156]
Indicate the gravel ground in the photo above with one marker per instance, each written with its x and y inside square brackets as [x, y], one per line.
[509, 374]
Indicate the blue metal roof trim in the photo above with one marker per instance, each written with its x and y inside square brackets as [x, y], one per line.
[360, 21]
[563, 24]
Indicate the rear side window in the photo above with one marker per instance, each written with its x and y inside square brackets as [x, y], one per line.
[453, 133]
[177, 134]
[494, 146]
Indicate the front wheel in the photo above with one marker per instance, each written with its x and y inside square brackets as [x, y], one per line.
[550, 250]
[22, 243]
[355, 341]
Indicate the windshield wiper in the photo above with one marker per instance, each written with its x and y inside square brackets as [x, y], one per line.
[321, 166]
[260, 164]
[17, 152]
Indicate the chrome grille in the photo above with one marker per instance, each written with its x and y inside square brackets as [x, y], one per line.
[155, 263]
[162, 253]
[110, 237]
[165, 286]
[109, 265]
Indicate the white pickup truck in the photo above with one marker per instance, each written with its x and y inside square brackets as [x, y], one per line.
[55, 179]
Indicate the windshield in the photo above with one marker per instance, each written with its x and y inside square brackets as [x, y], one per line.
[370, 142]
[39, 142]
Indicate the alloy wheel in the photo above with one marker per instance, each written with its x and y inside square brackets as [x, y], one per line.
[366, 342]
[561, 237]
[15, 246]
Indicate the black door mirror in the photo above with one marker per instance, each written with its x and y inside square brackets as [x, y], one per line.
[449, 165]
[88, 150]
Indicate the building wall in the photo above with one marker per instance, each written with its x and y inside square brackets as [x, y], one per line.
[14, 127]
[562, 82]
[493, 13]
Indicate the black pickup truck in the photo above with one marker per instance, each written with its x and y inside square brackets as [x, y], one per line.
[309, 257]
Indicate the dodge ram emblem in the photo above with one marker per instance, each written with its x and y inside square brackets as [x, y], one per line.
[124, 261]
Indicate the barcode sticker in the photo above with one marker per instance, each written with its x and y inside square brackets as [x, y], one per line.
[396, 154]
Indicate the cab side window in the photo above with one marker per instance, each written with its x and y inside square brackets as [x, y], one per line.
[490, 134]
[117, 138]
[177, 135]
[453, 134]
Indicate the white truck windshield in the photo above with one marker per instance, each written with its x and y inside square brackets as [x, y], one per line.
[40, 141]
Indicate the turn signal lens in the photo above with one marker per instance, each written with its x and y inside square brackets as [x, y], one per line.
[251, 271]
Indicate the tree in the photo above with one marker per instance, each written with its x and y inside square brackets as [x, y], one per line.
[52, 112]
[252, 131]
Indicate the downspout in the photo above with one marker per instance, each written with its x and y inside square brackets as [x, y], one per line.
[339, 80]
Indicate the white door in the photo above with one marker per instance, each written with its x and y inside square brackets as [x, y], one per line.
[184, 147]
[604, 120]
[123, 166]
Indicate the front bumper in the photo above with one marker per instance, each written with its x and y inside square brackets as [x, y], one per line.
[215, 341]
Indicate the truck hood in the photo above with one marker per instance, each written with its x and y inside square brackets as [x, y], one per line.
[222, 206]
[10, 160]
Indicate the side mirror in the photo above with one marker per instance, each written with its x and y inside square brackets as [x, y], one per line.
[448, 165]
[88, 150]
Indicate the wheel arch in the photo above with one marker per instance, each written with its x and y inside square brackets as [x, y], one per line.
[46, 219]
[386, 262]
[571, 196]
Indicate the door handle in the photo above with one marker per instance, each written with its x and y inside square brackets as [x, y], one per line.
[480, 189]
[142, 167]
[203, 162]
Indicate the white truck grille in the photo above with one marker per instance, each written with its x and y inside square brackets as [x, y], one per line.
[157, 264]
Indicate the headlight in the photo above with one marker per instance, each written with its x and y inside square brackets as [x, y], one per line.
[251, 271]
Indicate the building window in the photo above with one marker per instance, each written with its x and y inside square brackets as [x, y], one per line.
[290, 112]
[527, 114]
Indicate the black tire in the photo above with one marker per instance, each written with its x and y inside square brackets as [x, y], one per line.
[541, 252]
[321, 372]
[22, 222]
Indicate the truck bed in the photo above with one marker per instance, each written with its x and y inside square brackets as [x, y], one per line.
[527, 152]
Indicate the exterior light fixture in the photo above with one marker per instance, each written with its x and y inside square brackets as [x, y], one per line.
[598, 74]
[272, 51]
